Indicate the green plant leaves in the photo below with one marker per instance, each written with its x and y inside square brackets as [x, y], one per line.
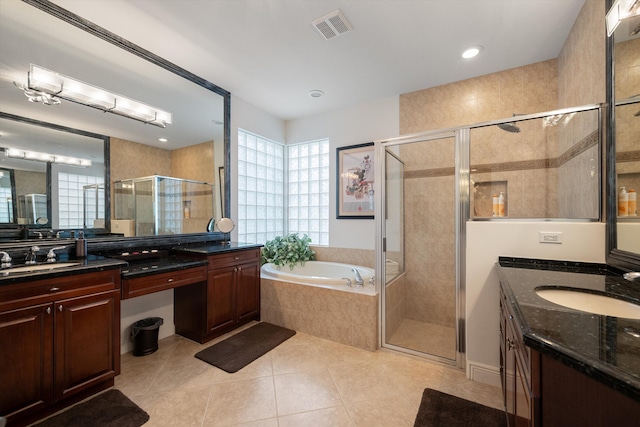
[287, 250]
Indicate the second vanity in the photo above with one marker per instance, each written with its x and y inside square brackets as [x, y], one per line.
[566, 367]
[60, 322]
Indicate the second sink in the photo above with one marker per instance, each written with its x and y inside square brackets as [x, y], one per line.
[590, 302]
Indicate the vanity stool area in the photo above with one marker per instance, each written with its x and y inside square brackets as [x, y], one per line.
[60, 324]
[564, 367]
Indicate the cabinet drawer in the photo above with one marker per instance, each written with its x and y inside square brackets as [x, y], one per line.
[234, 258]
[47, 290]
[162, 281]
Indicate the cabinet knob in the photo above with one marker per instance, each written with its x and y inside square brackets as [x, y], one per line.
[54, 289]
[48, 310]
[236, 258]
[60, 308]
[170, 280]
[235, 269]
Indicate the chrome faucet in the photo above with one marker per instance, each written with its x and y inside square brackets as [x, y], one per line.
[31, 255]
[51, 256]
[359, 281]
[6, 259]
[632, 275]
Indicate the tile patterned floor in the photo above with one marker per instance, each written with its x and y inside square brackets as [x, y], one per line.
[426, 338]
[306, 381]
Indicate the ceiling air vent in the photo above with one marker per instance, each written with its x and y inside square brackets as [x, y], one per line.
[332, 25]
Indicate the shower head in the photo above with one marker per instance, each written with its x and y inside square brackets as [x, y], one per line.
[509, 127]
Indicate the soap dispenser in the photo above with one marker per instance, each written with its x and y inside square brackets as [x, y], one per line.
[81, 246]
[501, 210]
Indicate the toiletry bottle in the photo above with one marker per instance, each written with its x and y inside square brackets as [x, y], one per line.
[501, 211]
[495, 205]
[81, 246]
[633, 206]
[187, 210]
[623, 202]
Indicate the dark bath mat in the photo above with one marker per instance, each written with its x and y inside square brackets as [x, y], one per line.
[239, 350]
[111, 408]
[439, 409]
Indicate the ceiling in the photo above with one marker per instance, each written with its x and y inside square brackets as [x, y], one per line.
[267, 52]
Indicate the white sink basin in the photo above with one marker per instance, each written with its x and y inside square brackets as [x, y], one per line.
[39, 267]
[591, 303]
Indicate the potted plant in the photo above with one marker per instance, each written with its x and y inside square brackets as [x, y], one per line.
[287, 250]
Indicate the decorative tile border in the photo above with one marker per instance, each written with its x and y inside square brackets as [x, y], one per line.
[575, 150]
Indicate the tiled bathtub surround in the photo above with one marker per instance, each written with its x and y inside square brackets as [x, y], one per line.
[363, 257]
[341, 316]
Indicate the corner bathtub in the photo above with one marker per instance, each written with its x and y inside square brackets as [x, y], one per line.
[314, 299]
[324, 274]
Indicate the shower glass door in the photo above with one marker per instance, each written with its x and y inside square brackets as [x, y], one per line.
[419, 249]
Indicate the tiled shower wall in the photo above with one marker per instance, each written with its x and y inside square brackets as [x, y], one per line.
[134, 160]
[575, 78]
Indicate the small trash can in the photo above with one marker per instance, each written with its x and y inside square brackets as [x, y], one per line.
[145, 335]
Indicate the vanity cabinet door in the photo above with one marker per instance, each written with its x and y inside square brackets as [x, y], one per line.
[221, 299]
[26, 358]
[248, 291]
[85, 334]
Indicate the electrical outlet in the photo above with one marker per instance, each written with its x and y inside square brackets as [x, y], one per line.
[550, 237]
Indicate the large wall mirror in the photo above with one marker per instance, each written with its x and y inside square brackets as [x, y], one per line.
[624, 149]
[188, 157]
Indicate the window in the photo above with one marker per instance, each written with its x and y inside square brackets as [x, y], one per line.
[261, 185]
[308, 190]
[73, 192]
[260, 188]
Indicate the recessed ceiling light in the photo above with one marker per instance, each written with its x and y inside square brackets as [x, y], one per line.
[471, 52]
[163, 139]
[316, 93]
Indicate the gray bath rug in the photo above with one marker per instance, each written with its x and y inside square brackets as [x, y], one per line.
[239, 350]
[439, 409]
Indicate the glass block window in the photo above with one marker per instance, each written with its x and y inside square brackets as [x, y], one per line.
[308, 190]
[260, 188]
[71, 200]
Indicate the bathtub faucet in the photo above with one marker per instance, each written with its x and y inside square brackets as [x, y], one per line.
[359, 281]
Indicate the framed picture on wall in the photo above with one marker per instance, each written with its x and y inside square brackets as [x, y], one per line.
[355, 181]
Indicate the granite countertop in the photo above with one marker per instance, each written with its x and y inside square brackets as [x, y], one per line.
[82, 265]
[214, 247]
[166, 264]
[605, 348]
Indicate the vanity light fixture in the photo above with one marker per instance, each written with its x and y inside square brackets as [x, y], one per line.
[621, 10]
[471, 52]
[46, 157]
[49, 87]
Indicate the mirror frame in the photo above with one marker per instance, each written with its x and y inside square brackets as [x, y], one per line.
[102, 33]
[614, 256]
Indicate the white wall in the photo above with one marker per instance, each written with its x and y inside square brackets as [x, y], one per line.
[486, 241]
[356, 125]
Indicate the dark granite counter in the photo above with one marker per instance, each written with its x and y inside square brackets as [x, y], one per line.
[605, 348]
[213, 248]
[166, 264]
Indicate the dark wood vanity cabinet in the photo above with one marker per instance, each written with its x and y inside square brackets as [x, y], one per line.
[539, 390]
[59, 340]
[519, 372]
[229, 298]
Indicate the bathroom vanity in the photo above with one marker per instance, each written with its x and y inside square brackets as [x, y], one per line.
[59, 331]
[230, 297]
[60, 322]
[565, 367]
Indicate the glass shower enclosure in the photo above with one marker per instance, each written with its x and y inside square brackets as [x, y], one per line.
[160, 205]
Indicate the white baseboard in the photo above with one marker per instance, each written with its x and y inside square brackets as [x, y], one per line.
[482, 373]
